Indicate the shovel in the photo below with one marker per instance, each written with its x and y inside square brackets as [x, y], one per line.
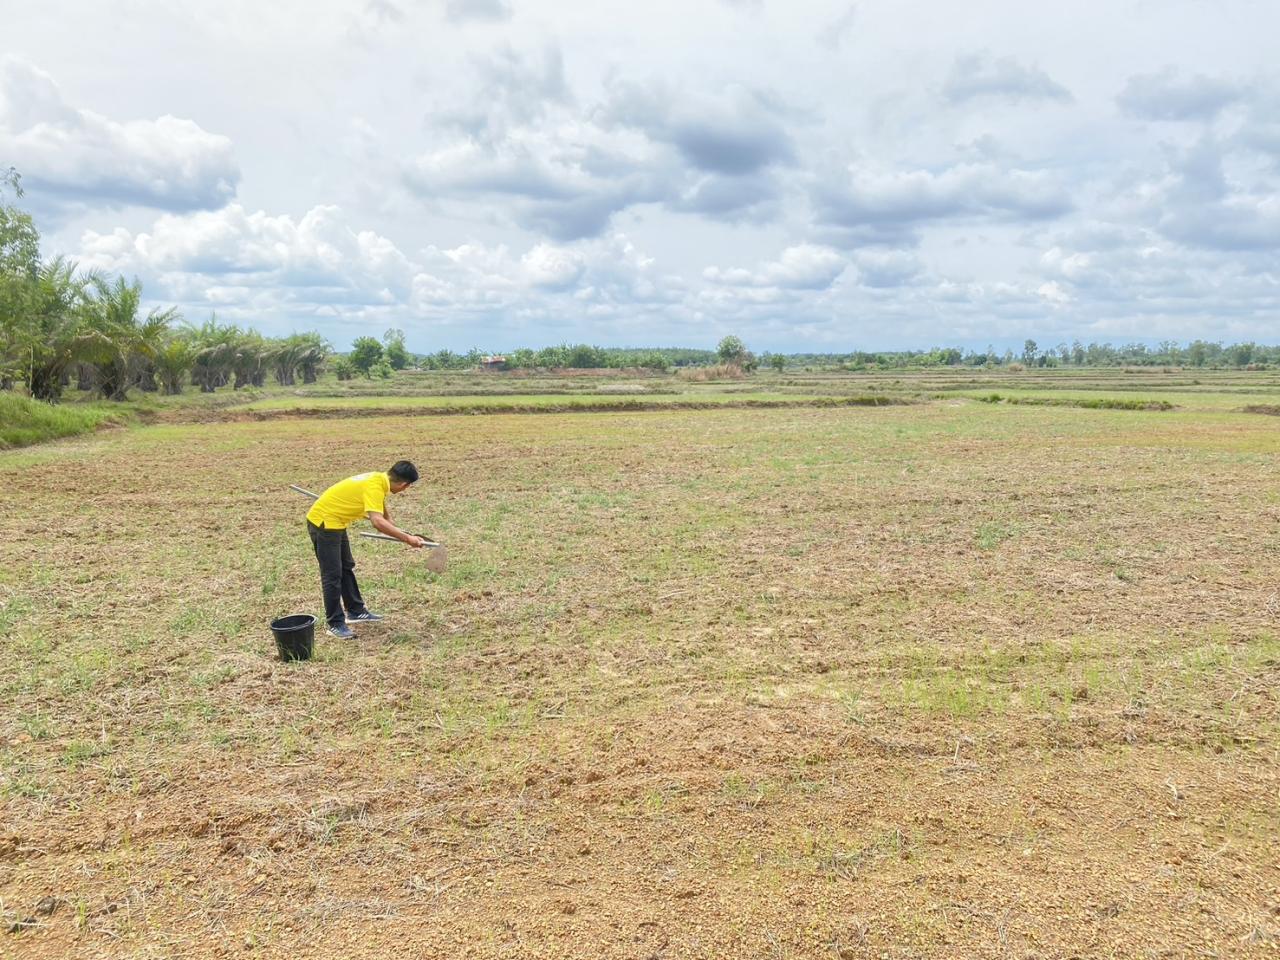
[437, 555]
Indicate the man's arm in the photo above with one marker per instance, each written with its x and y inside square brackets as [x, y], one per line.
[384, 525]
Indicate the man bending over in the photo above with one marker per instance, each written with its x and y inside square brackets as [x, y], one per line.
[364, 495]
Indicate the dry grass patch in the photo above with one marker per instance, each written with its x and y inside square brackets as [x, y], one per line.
[914, 681]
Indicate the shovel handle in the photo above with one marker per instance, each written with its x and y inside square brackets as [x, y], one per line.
[383, 536]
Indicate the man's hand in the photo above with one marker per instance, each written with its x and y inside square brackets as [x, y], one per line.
[383, 525]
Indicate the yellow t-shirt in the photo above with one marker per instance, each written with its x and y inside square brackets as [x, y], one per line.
[349, 500]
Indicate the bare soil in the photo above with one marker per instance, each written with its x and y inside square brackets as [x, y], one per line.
[949, 680]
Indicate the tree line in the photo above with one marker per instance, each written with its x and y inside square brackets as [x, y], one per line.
[61, 325]
[1167, 353]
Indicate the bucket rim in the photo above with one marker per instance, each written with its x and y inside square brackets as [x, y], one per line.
[295, 621]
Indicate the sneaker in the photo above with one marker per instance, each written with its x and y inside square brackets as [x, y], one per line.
[341, 631]
[365, 617]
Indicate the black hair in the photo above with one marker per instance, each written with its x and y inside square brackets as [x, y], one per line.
[403, 471]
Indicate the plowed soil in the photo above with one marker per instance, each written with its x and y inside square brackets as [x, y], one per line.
[947, 680]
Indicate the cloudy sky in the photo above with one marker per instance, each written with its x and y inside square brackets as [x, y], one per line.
[808, 175]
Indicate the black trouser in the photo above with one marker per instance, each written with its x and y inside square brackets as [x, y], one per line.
[337, 573]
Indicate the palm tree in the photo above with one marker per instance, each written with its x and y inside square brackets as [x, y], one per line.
[301, 353]
[215, 349]
[55, 332]
[19, 273]
[173, 359]
[315, 352]
[253, 356]
[122, 348]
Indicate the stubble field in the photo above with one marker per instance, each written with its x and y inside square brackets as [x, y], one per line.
[951, 679]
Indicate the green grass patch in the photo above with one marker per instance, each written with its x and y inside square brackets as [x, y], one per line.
[1085, 403]
[379, 406]
[24, 421]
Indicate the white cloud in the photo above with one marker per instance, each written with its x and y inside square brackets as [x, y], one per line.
[980, 75]
[878, 205]
[506, 90]
[886, 268]
[564, 171]
[739, 132]
[384, 10]
[317, 258]
[566, 184]
[803, 267]
[460, 11]
[753, 198]
[552, 268]
[69, 155]
[1216, 193]
[835, 33]
[1168, 95]
[278, 272]
[1053, 292]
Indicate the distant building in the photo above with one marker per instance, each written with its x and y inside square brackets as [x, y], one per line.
[493, 363]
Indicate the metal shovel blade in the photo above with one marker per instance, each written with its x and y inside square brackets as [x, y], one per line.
[437, 559]
[437, 555]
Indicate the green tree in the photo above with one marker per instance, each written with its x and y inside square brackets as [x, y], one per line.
[120, 345]
[1029, 351]
[583, 356]
[444, 360]
[1242, 354]
[654, 360]
[253, 357]
[19, 276]
[777, 361]
[343, 368]
[365, 352]
[51, 335]
[284, 360]
[394, 350]
[522, 359]
[173, 360]
[315, 350]
[300, 353]
[732, 350]
[550, 358]
[215, 348]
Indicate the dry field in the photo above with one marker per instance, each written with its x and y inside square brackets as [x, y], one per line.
[946, 680]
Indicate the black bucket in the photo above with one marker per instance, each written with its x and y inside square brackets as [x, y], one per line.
[294, 636]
